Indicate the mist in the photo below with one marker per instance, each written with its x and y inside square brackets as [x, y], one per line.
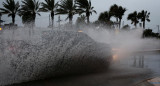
[127, 40]
[31, 54]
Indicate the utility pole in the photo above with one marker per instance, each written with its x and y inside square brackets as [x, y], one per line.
[158, 29]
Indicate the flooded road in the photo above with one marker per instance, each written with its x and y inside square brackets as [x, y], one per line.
[148, 60]
[123, 72]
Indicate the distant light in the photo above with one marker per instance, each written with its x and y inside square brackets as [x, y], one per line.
[0, 29]
[80, 31]
[115, 57]
[117, 31]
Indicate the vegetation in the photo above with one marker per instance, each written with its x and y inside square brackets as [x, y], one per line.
[81, 21]
[104, 19]
[114, 10]
[121, 12]
[148, 33]
[11, 8]
[29, 10]
[144, 16]
[49, 6]
[117, 12]
[134, 18]
[126, 27]
[67, 7]
[85, 6]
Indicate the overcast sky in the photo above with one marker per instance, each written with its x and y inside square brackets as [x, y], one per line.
[152, 6]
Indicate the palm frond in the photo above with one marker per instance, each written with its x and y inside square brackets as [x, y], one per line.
[31, 6]
[85, 6]
[4, 11]
[133, 17]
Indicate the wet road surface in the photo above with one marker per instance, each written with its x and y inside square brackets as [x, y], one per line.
[123, 72]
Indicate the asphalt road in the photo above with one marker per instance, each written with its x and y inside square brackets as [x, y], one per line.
[125, 71]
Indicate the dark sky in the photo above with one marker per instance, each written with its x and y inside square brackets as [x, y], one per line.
[152, 6]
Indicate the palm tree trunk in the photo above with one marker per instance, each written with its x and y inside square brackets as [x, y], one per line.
[119, 23]
[13, 19]
[33, 23]
[34, 20]
[87, 15]
[117, 19]
[143, 24]
[70, 19]
[70, 22]
[135, 24]
[88, 20]
[52, 16]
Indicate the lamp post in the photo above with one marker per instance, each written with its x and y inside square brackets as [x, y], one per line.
[158, 29]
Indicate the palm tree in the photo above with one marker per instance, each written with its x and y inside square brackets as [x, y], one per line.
[144, 16]
[113, 11]
[49, 6]
[85, 6]
[117, 12]
[27, 19]
[81, 21]
[11, 8]
[104, 19]
[134, 18]
[105, 16]
[120, 13]
[67, 7]
[29, 10]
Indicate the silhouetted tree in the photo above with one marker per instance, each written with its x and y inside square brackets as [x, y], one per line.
[120, 13]
[49, 6]
[81, 21]
[85, 6]
[104, 18]
[11, 8]
[144, 16]
[29, 10]
[113, 11]
[117, 12]
[67, 7]
[126, 27]
[147, 33]
[134, 18]
[27, 18]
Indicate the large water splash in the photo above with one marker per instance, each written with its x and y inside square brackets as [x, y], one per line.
[54, 53]
[129, 40]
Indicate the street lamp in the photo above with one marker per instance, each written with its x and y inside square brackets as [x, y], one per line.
[158, 29]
